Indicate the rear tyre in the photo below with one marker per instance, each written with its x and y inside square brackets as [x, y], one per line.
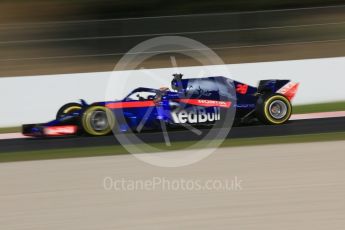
[273, 109]
[68, 108]
[97, 121]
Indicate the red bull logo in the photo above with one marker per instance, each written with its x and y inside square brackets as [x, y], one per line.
[196, 115]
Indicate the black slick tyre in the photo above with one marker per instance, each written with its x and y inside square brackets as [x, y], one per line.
[273, 109]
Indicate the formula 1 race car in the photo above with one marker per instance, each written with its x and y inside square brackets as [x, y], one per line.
[193, 101]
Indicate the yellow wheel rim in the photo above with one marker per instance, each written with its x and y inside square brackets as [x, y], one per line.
[268, 115]
[87, 123]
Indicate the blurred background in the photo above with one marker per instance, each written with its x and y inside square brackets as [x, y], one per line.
[287, 184]
[59, 36]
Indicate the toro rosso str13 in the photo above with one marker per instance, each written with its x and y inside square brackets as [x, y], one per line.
[193, 101]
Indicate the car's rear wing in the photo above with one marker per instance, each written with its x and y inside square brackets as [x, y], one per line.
[284, 87]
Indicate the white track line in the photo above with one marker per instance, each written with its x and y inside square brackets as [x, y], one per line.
[5, 136]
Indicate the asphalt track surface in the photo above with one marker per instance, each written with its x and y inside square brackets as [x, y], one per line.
[289, 187]
[296, 127]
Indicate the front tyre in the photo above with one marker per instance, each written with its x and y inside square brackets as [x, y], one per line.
[67, 109]
[273, 109]
[97, 121]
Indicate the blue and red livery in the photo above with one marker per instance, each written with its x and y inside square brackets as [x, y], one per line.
[191, 102]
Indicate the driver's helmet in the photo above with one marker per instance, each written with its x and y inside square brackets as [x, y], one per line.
[176, 83]
[160, 93]
[164, 89]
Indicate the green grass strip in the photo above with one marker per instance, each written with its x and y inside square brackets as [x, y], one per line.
[10, 130]
[322, 107]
